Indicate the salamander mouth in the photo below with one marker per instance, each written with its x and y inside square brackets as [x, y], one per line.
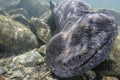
[95, 53]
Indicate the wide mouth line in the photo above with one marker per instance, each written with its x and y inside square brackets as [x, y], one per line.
[95, 53]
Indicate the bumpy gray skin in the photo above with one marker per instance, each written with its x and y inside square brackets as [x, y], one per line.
[68, 11]
[84, 41]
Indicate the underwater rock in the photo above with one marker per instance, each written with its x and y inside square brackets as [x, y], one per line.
[17, 75]
[110, 78]
[21, 11]
[20, 18]
[40, 29]
[15, 37]
[31, 58]
[2, 12]
[45, 16]
[84, 41]
[42, 49]
[35, 8]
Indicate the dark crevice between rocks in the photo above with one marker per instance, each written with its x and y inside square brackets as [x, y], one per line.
[53, 27]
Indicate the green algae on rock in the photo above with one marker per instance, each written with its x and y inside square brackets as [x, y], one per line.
[45, 16]
[15, 37]
[33, 8]
[31, 58]
[42, 50]
[41, 29]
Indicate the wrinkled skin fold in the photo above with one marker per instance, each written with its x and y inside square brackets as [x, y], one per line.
[84, 41]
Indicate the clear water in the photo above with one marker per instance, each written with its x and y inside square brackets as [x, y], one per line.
[108, 4]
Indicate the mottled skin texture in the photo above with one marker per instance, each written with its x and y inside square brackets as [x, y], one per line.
[84, 41]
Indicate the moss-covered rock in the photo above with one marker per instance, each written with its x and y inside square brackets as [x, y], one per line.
[2, 12]
[29, 59]
[45, 17]
[15, 37]
[29, 8]
[42, 50]
[41, 29]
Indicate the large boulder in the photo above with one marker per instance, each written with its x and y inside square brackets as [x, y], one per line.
[15, 37]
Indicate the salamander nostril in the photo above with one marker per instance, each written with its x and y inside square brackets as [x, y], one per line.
[64, 64]
[79, 56]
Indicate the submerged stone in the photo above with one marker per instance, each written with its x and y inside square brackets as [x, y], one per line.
[35, 8]
[110, 78]
[41, 30]
[15, 37]
[20, 18]
[84, 41]
[31, 58]
[21, 11]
